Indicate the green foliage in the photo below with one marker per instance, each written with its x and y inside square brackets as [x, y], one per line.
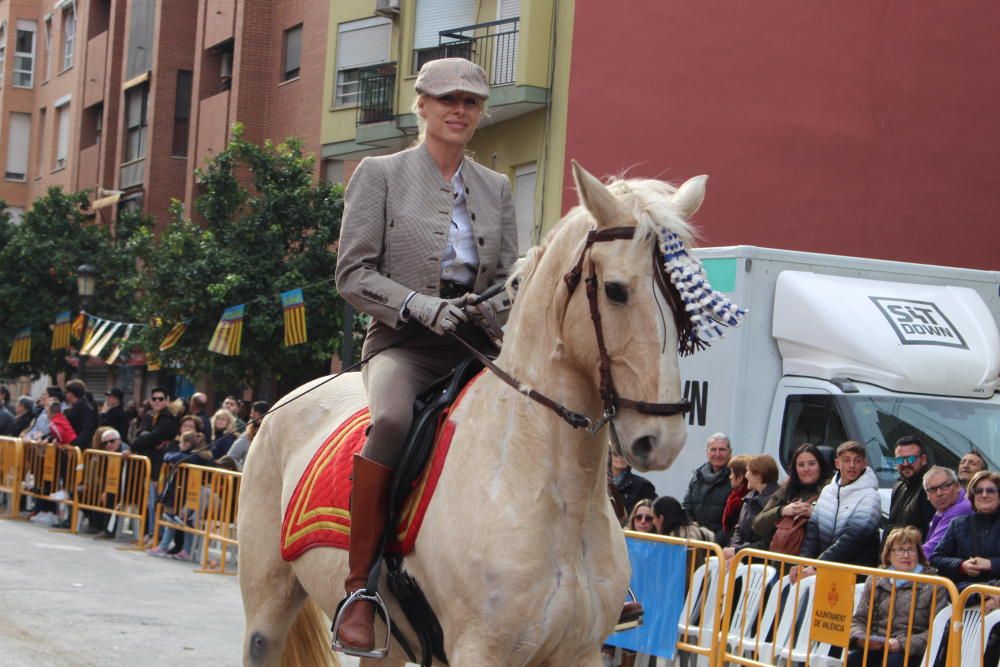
[38, 262]
[267, 227]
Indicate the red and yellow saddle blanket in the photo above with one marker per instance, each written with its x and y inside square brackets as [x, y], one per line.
[318, 514]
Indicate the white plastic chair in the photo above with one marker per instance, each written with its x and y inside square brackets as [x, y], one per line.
[938, 630]
[797, 619]
[696, 627]
[781, 625]
[755, 580]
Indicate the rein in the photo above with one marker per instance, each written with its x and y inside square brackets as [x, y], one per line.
[612, 400]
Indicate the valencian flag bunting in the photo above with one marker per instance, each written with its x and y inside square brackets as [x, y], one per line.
[174, 335]
[295, 317]
[113, 357]
[229, 332]
[88, 334]
[78, 325]
[60, 332]
[20, 353]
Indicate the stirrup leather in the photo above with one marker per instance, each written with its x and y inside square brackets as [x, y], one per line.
[361, 596]
[628, 624]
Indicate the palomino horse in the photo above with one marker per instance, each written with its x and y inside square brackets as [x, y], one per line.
[519, 554]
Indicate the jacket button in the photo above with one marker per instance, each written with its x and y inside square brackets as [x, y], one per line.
[482, 241]
[466, 190]
[473, 216]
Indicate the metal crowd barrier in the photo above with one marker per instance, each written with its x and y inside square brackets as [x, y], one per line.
[980, 621]
[11, 459]
[50, 470]
[206, 500]
[114, 484]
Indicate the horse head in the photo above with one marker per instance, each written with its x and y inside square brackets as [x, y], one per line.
[607, 277]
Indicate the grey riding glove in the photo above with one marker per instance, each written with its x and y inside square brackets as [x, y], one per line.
[438, 315]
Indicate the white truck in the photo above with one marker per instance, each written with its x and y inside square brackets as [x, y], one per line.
[842, 348]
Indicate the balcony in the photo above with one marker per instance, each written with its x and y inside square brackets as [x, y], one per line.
[93, 85]
[492, 46]
[376, 90]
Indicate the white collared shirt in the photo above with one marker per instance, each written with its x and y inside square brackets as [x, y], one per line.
[460, 262]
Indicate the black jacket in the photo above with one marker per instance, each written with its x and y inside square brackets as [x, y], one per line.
[744, 537]
[706, 497]
[634, 488]
[909, 505]
[6, 422]
[116, 419]
[156, 432]
[83, 418]
[967, 536]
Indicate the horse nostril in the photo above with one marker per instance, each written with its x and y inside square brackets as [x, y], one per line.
[642, 447]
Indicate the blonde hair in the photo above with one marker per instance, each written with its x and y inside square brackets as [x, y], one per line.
[422, 123]
[644, 502]
[230, 418]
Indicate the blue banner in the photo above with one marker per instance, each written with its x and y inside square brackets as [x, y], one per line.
[658, 571]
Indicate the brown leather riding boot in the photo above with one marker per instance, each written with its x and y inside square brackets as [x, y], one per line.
[369, 507]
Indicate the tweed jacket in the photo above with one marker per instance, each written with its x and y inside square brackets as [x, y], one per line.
[397, 215]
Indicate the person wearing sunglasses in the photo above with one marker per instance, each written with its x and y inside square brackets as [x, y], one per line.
[946, 494]
[158, 428]
[641, 517]
[969, 552]
[909, 505]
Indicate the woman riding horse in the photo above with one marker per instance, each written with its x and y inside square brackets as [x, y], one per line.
[424, 231]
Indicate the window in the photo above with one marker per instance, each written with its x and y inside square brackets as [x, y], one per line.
[39, 166]
[225, 66]
[360, 44]
[334, 171]
[293, 53]
[69, 37]
[3, 50]
[182, 114]
[135, 122]
[62, 135]
[18, 141]
[24, 54]
[525, 178]
[432, 17]
[91, 125]
[48, 47]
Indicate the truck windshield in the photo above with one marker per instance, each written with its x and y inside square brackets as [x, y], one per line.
[949, 429]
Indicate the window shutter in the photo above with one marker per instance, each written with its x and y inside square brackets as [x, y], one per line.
[525, 178]
[62, 141]
[433, 16]
[363, 43]
[18, 140]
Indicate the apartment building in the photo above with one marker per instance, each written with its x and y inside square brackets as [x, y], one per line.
[373, 54]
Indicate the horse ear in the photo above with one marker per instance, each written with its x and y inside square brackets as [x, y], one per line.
[690, 195]
[597, 199]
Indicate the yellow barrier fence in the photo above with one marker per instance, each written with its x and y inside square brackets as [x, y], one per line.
[114, 484]
[698, 626]
[980, 609]
[11, 460]
[779, 612]
[50, 471]
[205, 500]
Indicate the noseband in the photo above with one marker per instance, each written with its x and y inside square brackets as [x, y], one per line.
[612, 401]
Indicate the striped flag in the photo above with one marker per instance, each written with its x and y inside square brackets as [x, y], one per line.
[96, 328]
[60, 332]
[78, 325]
[228, 333]
[113, 357]
[88, 334]
[20, 353]
[174, 335]
[100, 342]
[295, 317]
[152, 364]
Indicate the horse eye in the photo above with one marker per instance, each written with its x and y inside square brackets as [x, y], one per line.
[616, 292]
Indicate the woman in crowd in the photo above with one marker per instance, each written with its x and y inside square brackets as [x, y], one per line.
[781, 525]
[734, 503]
[24, 414]
[969, 552]
[223, 433]
[901, 553]
[641, 517]
[762, 482]
[669, 518]
[411, 259]
[237, 454]
[135, 425]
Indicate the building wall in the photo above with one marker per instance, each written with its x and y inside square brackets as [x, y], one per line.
[858, 127]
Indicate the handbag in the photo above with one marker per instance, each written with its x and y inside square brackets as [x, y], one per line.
[789, 534]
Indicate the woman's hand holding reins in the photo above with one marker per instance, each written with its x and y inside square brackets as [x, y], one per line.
[438, 315]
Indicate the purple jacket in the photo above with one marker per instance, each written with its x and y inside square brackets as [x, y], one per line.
[939, 524]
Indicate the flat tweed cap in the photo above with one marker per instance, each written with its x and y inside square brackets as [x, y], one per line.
[447, 75]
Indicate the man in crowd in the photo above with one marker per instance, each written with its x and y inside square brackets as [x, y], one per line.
[199, 409]
[158, 428]
[6, 421]
[112, 412]
[909, 505]
[970, 464]
[231, 404]
[709, 488]
[81, 414]
[844, 524]
[632, 487]
[948, 497]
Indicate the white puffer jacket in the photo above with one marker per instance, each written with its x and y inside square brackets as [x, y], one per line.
[845, 522]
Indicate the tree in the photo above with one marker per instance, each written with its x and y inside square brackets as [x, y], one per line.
[38, 262]
[266, 227]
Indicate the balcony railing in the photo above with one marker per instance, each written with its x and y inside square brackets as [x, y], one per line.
[376, 92]
[492, 46]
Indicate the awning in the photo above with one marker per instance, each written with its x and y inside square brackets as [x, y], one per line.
[103, 202]
[136, 80]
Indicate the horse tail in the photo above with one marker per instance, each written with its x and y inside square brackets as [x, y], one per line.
[308, 640]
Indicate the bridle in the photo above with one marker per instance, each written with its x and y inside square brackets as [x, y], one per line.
[611, 399]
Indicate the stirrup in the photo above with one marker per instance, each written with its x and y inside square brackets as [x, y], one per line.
[629, 623]
[360, 596]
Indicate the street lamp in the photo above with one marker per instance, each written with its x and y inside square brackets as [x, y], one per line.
[86, 284]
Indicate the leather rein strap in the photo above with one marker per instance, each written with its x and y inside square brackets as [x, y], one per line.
[609, 395]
